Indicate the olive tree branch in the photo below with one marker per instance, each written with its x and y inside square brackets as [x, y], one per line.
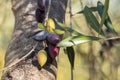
[17, 61]
[112, 38]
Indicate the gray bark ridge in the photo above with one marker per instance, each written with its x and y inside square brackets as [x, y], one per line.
[21, 42]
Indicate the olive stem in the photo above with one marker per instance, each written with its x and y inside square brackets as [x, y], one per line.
[70, 11]
[47, 13]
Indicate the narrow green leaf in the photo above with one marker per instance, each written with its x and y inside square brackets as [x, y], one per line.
[41, 26]
[65, 42]
[71, 56]
[108, 22]
[60, 24]
[74, 32]
[58, 31]
[110, 27]
[91, 8]
[108, 19]
[75, 40]
[91, 19]
[104, 14]
[100, 7]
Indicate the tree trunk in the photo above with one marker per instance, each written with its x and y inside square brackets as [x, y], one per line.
[22, 43]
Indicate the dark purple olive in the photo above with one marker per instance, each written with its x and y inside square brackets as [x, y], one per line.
[53, 50]
[40, 36]
[40, 15]
[53, 38]
[41, 4]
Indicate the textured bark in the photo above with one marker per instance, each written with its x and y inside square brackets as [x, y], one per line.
[21, 42]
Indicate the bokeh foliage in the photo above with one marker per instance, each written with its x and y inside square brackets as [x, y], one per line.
[6, 23]
[6, 28]
[88, 55]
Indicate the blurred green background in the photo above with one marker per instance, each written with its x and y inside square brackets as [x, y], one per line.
[88, 63]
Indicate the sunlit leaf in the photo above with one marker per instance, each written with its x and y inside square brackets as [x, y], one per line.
[71, 55]
[75, 40]
[41, 26]
[58, 31]
[60, 24]
[91, 19]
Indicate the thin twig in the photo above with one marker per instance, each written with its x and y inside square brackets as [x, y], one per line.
[81, 4]
[72, 78]
[47, 12]
[112, 38]
[70, 11]
[17, 61]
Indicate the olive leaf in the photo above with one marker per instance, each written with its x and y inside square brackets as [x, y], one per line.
[58, 31]
[91, 19]
[41, 26]
[104, 14]
[71, 56]
[75, 40]
[108, 22]
[65, 28]
[91, 8]
[109, 26]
